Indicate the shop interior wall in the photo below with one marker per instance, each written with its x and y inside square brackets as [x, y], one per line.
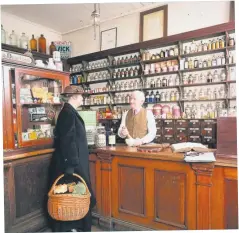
[19, 25]
[182, 17]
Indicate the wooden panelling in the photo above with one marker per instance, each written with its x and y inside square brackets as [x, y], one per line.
[131, 183]
[31, 186]
[170, 206]
[231, 204]
[227, 137]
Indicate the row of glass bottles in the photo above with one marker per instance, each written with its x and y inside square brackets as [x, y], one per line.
[194, 63]
[98, 76]
[24, 42]
[209, 77]
[97, 64]
[203, 46]
[125, 73]
[164, 53]
[128, 85]
[204, 111]
[126, 60]
[204, 94]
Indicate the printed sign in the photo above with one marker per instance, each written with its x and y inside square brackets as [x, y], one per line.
[64, 47]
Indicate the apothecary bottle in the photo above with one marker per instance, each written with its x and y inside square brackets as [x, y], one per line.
[42, 44]
[24, 41]
[3, 35]
[13, 38]
[33, 44]
[52, 48]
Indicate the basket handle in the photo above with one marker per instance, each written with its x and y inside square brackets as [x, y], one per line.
[74, 174]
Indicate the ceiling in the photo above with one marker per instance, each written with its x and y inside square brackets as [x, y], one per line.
[64, 18]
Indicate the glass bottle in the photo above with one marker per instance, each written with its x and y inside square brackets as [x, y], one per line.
[170, 81]
[176, 51]
[166, 53]
[231, 41]
[217, 46]
[157, 97]
[216, 76]
[136, 72]
[164, 82]
[118, 61]
[214, 61]
[213, 44]
[3, 35]
[127, 72]
[13, 38]
[162, 54]
[122, 73]
[131, 72]
[177, 80]
[24, 41]
[200, 47]
[223, 76]
[196, 63]
[52, 48]
[209, 46]
[112, 138]
[33, 44]
[193, 47]
[209, 62]
[42, 44]
[186, 64]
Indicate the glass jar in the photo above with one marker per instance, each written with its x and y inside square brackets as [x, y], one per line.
[177, 96]
[216, 76]
[223, 76]
[24, 41]
[13, 39]
[3, 35]
[170, 81]
[176, 51]
[100, 137]
[185, 80]
[190, 79]
[42, 44]
[177, 80]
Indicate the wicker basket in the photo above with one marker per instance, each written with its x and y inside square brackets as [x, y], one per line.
[68, 207]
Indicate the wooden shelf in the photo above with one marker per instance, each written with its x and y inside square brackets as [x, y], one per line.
[202, 84]
[126, 78]
[100, 93]
[230, 65]
[160, 74]
[221, 99]
[159, 60]
[203, 53]
[158, 88]
[92, 82]
[125, 65]
[39, 104]
[231, 47]
[204, 68]
[126, 90]
[96, 69]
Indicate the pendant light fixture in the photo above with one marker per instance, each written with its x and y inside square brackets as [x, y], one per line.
[95, 16]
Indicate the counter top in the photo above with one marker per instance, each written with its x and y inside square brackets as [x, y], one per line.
[167, 154]
[119, 150]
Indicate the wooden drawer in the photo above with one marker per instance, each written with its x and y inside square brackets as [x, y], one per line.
[159, 123]
[168, 139]
[181, 130]
[208, 139]
[181, 138]
[168, 123]
[207, 131]
[181, 123]
[168, 131]
[208, 124]
[194, 123]
[193, 138]
[159, 131]
[158, 139]
[194, 131]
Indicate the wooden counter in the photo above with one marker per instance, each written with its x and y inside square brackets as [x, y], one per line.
[139, 191]
[134, 191]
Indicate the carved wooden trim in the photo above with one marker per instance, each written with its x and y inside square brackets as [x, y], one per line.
[105, 157]
[203, 173]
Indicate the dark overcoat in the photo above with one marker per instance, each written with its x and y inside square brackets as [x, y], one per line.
[71, 152]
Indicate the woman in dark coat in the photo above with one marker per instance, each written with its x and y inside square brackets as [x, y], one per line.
[71, 155]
